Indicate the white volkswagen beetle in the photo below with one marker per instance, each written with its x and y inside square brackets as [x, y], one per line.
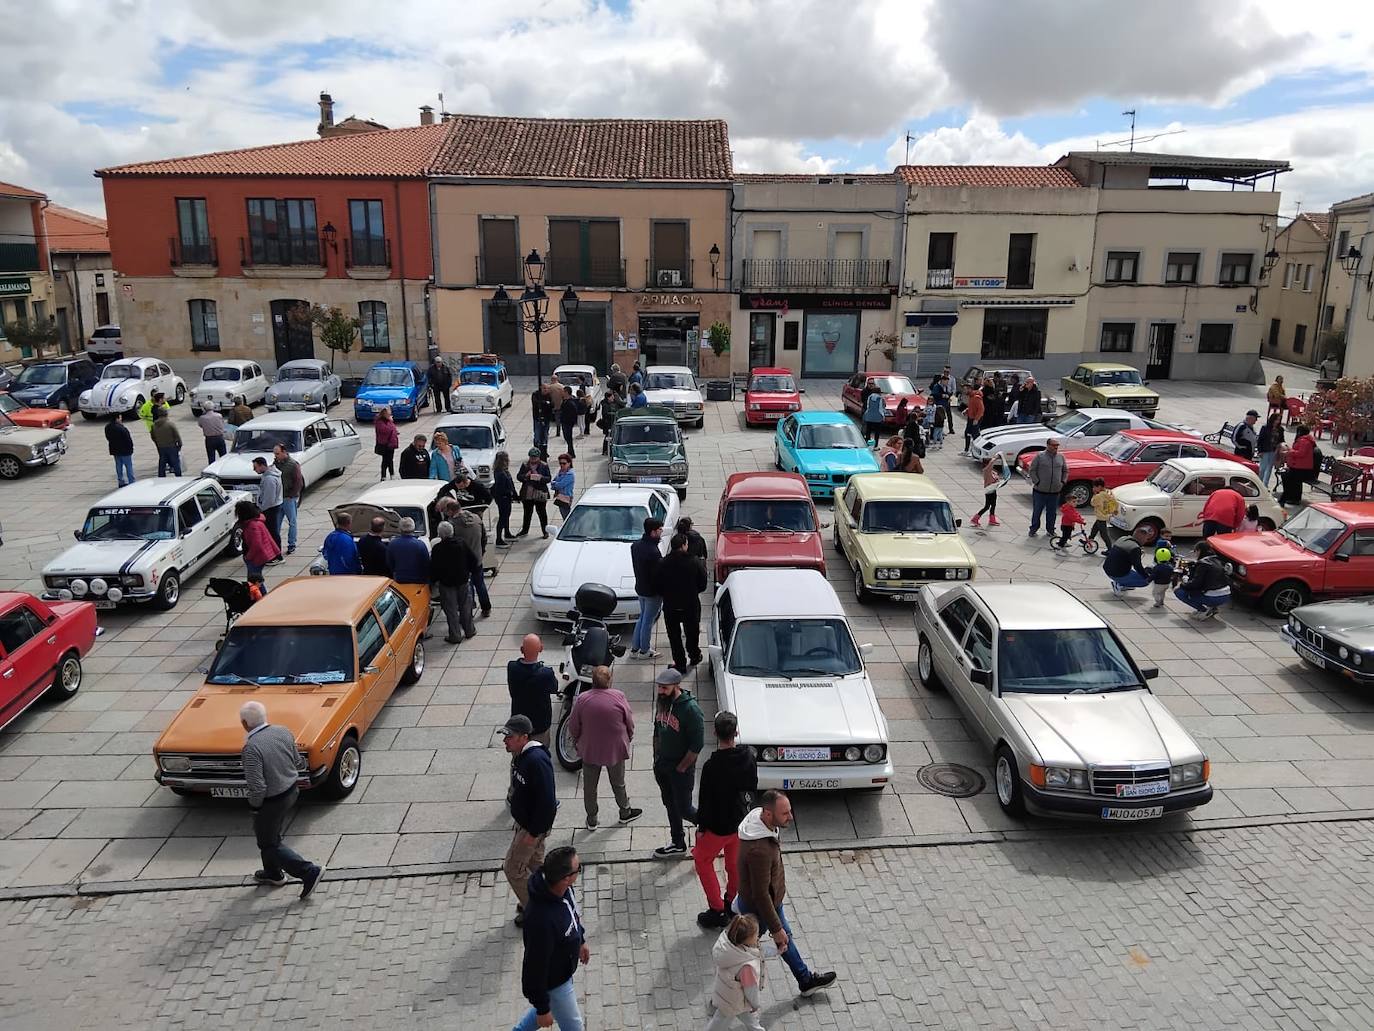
[225, 383]
[1173, 496]
[321, 445]
[141, 542]
[127, 383]
[593, 546]
[477, 438]
[674, 387]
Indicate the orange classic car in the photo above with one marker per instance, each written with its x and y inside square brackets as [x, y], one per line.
[323, 654]
[34, 418]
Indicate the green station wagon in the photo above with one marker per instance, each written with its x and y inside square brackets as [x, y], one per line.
[1110, 385]
[647, 447]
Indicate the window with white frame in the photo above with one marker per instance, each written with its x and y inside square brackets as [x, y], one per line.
[1121, 266]
[1290, 269]
[1235, 268]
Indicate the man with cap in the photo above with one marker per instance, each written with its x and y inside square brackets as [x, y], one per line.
[1246, 437]
[679, 732]
[533, 804]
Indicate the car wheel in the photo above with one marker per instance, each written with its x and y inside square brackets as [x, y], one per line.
[348, 767]
[839, 545]
[180, 395]
[1284, 597]
[88, 415]
[10, 467]
[1068, 401]
[925, 666]
[132, 413]
[861, 593]
[416, 669]
[67, 680]
[1006, 776]
[682, 493]
[234, 546]
[1151, 528]
[701, 423]
[1079, 493]
[168, 591]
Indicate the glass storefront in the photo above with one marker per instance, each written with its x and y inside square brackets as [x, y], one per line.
[670, 340]
[831, 347]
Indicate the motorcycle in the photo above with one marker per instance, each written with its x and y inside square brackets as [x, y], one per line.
[588, 644]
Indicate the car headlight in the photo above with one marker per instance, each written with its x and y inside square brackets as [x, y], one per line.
[484, 470]
[1357, 659]
[56, 581]
[85, 396]
[1189, 773]
[175, 764]
[964, 574]
[35, 451]
[98, 585]
[679, 467]
[1344, 652]
[620, 467]
[769, 754]
[754, 406]
[852, 754]
[1066, 779]
[79, 588]
[1293, 623]
[1240, 569]
[888, 573]
[817, 476]
[1116, 402]
[875, 753]
[131, 580]
[306, 397]
[695, 406]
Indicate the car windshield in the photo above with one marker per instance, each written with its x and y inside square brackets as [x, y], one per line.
[829, 434]
[574, 378]
[1116, 378]
[121, 370]
[1166, 478]
[790, 516]
[44, 374]
[6, 423]
[1069, 423]
[794, 648]
[465, 438]
[1118, 447]
[893, 385]
[773, 385]
[908, 517]
[9, 404]
[388, 378]
[478, 377]
[265, 440]
[670, 381]
[221, 372]
[604, 523]
[129, 524]
[284, 655]
[303, 373]
[645, 433]
[1062, 661]
[1314, 531]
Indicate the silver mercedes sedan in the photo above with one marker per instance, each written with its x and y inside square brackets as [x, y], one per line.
[1074, 730]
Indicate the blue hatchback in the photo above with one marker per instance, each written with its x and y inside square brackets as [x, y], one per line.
[401, 386]
[825, 448]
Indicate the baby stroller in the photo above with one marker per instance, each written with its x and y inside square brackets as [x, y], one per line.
[237, 599]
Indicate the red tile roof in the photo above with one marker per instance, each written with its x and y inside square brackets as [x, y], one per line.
[585, 148]
[10, 190]
[1005, 176]
[74, 231]
[392, 154]
[1320, 221]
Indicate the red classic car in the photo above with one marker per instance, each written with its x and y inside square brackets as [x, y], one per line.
[1326, 550]
[767, 519]
[894, 388]
[771, 394]
[41, 646]
[1129, 457]
[35, 418]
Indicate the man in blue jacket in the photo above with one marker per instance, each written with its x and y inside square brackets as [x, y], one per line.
[555, 942]
[407, 557]
[645, 557]
[533, 804]
[341, 550]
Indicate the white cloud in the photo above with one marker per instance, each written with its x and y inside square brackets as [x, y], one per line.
[762, 154]
[979, 141]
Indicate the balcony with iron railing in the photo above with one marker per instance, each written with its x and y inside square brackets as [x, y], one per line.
[367, 252]
[584, 270]
[940, 279]
[196, 252]
[18, 257]
[668, 273]
[817, 273]
[297, 251]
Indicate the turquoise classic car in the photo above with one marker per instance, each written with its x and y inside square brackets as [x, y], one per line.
[825, 448]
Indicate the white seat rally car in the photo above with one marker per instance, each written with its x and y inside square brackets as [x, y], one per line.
[127, 383]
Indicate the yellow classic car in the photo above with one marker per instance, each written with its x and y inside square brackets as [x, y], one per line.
[897, 532]
[1110, 385]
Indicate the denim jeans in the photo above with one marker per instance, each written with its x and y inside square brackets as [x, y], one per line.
[287, 514]
[272, 517]
[1044, 503]
[1131, 580]
[1266, 466]
[479, 589]
[563, 1006]
[792, 956]
[1201, 602]
[649, 608]
[541, 434]
[124, 469]
[267, 827]
[251, 571]
[169, 460]
[676, 791]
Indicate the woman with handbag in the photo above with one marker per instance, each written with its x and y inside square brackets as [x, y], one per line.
[534, 480]
[563, 484]
[388, 440]
[1301, 465]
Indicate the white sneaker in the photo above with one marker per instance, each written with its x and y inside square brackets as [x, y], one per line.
[1116, 589]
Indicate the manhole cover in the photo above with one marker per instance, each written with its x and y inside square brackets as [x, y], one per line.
[951, 779]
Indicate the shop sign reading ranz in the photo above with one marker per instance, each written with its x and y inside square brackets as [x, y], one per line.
[669, 300]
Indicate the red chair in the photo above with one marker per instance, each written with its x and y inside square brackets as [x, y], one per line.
[1296, 406]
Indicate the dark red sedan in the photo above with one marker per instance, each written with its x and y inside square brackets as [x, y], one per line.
[895, 389]
[41, 647]
[767, 520]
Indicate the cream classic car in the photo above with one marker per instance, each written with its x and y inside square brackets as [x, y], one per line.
[225, 383]
[1173, 496]
[322, 446]
[675, 388]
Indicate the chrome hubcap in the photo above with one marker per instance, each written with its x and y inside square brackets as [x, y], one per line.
[350, 762]
[923, 661]
[1004, 782]
[1287, 601]
[171, 590]
[417, 662]
[71, 675]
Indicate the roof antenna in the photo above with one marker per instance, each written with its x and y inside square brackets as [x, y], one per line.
[909, 138]
[1131, 112]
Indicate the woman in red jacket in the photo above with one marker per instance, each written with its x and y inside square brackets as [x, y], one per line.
[259, 548]
[1299, 467]
[388, 439]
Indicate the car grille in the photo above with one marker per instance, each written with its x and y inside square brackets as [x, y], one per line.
[1133, 402]
[230, 767]
[650, 469]
[1320, 642]
[1105, 781]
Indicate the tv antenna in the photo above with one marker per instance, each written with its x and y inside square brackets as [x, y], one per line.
[1131, 112]
[909, 138]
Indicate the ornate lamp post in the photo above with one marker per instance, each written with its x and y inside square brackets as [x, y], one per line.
[530, 310]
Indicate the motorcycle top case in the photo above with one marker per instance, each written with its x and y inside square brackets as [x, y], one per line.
[595, 600]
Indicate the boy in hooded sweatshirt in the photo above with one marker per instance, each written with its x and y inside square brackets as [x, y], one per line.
[739, 975]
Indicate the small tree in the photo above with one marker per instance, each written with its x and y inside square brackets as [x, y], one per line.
[720, 338]
[883, 342]
[338, 330]
[35, 334]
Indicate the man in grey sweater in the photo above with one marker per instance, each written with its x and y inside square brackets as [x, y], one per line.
[269, 767]
[1047, 473]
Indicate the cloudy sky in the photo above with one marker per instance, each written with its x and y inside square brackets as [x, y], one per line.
[806, 85]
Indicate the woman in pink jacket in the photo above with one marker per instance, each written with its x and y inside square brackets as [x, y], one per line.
[388, 440]
[603, 726]
[258, 546]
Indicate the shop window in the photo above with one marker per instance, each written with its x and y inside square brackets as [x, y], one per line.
[375, 331]
[832, 344]
[1015, 333]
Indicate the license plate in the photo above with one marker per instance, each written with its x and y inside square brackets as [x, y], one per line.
[105, 603]
[229, 792]
[811, 783]
[656, 479]
[905, 597]
[1149, 812]
[1142, 790]
[1316, 658]
[809, 754]
[51, 459]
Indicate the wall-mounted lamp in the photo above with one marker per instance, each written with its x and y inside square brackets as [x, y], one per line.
[714, 255]
[331, 236]
[1271, 258]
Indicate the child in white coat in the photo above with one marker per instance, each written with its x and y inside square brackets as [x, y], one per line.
[739, 976]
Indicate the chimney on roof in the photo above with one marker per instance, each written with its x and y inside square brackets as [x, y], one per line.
[444, 116]
[426, 115]
[326, 114]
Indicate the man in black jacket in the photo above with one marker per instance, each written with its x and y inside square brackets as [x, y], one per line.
[415, 460]
[1206, 587]
[372, 549]
[532, 685]
[727, 781]
[441, 382]
[1123, 565]
[696, 543]
[451, 563]
[555, 942]
[682, 578]
[568, 414]
[533, 804]
[121, 449]
[646, 557]
[542, 410]
[1028, 411]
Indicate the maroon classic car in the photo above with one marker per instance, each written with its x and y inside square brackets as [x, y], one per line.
[767, 519]
[894, 387]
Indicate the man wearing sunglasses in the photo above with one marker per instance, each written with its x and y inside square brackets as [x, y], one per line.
[555, 942]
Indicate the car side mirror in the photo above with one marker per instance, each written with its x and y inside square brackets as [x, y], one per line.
[76, 535]
[981, 676]
[866, 649]
[958, 523]
[1340, 557]
[1149, 672]
[715, 652]
[801, 390]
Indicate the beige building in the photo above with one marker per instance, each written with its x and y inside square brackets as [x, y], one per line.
[1350, 285]
[83, 274]
[26, 285]
[1291, 297]
[632, 216]
[816, 267]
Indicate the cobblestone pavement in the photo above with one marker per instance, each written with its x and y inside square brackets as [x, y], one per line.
[78, 800]
[1243, 928]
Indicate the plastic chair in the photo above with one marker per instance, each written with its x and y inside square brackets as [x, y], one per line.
[1296, 406]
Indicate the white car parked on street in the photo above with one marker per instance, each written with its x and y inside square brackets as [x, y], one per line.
[227, 382]
[1172, 497]
[674, 387]
[584, 376]
[1084, 428]
[593, 546]
[477, 438]
[786, 663]
[127, 383]
[321, 445]
[393, 501]
[482, 385]
[141, 542]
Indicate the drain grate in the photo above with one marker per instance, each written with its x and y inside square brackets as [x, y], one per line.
[951, 779]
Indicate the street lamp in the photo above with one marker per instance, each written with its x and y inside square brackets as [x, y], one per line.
[714, 255]
[1271, 258]
[531, 309]
[1350, 260]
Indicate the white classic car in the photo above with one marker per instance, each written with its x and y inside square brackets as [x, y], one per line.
[321, 445]
[583, 376]
[786, 663]
[141, 542]
[302, 385]
[225, 383]
[1084, 428]
[1173, 496]
[1055, 695]
[477, 438]
[127, 383]
[393, 501]
[483, 385]
[674, 387]
[593, 546]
